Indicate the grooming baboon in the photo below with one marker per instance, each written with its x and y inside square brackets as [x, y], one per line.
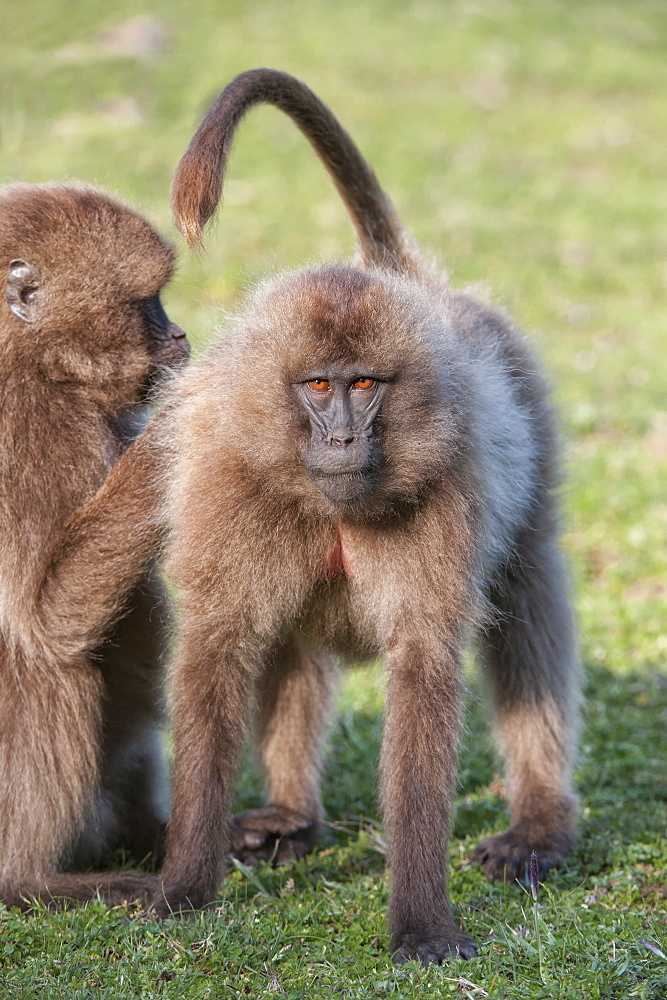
[365, 465]
[83, 339]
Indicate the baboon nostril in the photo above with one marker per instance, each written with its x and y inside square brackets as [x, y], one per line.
[341, 435]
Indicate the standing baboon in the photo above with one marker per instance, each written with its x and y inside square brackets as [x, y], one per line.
[83, 339]
[364, 466]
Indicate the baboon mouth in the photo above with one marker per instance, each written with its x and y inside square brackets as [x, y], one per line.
[344, 486]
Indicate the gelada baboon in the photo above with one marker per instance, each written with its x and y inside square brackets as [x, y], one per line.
[364, 466]
[83, 340]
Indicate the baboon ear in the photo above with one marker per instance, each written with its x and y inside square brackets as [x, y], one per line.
[22, 290]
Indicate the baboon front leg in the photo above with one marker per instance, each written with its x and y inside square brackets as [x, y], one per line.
[210, 698]
[418, 774]
[531, 660]
[293, 697]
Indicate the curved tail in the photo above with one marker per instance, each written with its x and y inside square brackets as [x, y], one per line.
[197, 185]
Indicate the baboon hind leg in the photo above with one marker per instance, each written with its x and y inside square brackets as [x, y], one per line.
[49, 760]
[530, 656]
[293, 698]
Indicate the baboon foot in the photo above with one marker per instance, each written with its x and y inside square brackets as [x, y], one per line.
[274, 834]
[172, 900]
[432, 949]
[506, 856]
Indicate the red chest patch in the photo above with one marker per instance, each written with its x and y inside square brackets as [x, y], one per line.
[337, 563]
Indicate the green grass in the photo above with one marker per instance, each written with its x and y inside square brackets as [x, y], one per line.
[525, 144]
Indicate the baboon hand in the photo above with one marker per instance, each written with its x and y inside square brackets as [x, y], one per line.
[506, 856]
[432, 949]
[274, 834]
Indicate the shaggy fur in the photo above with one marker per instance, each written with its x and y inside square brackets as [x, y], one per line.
[276, 581]
[81, 762]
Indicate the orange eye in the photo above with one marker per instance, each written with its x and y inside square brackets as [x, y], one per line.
[364, 383]
[319, 385]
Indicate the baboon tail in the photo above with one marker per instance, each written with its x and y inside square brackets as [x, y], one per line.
[114, 888]
[197, 185]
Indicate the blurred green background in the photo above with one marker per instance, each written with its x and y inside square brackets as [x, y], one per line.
[525, 144]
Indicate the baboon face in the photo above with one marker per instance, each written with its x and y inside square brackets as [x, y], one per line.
[168, 345]
[343, 455]
[339, 376]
